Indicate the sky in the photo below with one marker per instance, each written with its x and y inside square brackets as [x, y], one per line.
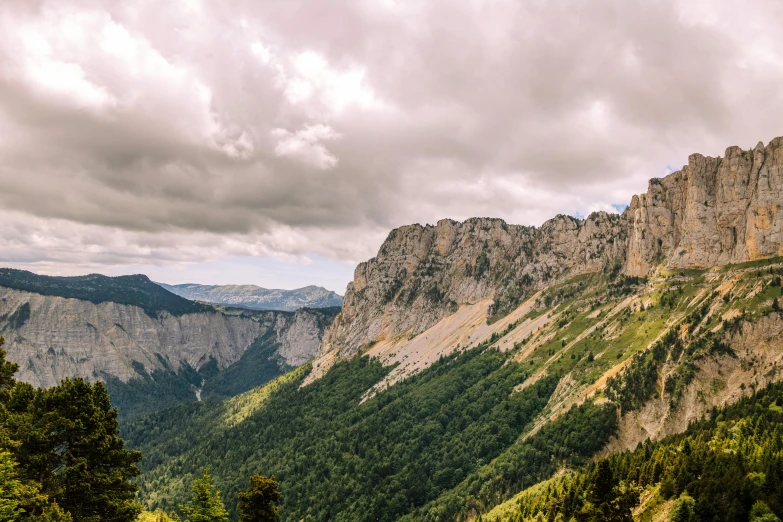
[278, 142]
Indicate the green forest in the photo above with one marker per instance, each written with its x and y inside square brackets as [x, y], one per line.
[432, 447]
[136, 290]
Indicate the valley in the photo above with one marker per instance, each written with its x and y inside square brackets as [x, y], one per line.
[152, 348]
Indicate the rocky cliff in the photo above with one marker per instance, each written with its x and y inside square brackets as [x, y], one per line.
[713, 212]
[53, 337]
[423, 273]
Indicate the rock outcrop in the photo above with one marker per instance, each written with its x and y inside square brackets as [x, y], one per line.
[299, 335]
[713, 212]
[53, 337]
[424, 273]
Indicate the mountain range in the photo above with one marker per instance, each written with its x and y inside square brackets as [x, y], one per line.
[475, 362]
[615, 367]
[257, 298]
[152, 347]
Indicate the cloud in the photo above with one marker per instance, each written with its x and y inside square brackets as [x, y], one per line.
[306, 145]
[138, 125]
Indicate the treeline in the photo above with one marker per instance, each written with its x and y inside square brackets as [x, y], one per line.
[728, 467]
[136, 290]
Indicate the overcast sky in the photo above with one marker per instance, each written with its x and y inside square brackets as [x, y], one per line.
[277, 142]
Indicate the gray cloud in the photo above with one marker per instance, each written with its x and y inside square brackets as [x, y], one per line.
[284, 128]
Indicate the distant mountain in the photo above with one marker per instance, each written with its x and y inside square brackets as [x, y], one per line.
[257, 298]
[151, 347]
[134, 290]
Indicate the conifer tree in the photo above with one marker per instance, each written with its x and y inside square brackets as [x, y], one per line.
[205, 504]
[682, 511]
[10, 488]
[65, 442]
[259, 502]
[68, 440]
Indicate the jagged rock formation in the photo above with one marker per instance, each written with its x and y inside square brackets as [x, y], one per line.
[53, 337]
[423, 273]
[712, 212]
[257, 298]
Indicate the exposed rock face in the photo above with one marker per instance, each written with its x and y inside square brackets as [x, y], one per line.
[299, 336]
[720, 381]
[712, 212]
[423, 273]
[53, 337]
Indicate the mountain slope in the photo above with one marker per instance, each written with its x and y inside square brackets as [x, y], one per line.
[473, 360]
[257, 298]
[721, 466]
[712, 212]
[155, 348]
[454, 439]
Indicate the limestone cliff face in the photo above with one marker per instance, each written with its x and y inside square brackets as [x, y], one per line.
[299, 335]
[53, 337]
[712, 212]
[424, 273]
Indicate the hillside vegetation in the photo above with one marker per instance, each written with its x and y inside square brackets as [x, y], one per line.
[612, 361]
[136, 290]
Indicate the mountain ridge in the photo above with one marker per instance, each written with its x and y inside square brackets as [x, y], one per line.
[141, 339]
[713, 211]
[257, 298]
[472, 360]
[136, 290]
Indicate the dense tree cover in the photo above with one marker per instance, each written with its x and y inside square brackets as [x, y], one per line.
[60, 454]
[728, 467]
[259, 502]
[153, 392]
[136, 290]
[257, 366]
[339, 460]
[567, 441]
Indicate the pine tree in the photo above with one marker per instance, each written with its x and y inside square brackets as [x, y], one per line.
[760, 512]
[258, 503]
[205, 504]
[603, 483]
[10, 488]
[68, 441]
[682, 511]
